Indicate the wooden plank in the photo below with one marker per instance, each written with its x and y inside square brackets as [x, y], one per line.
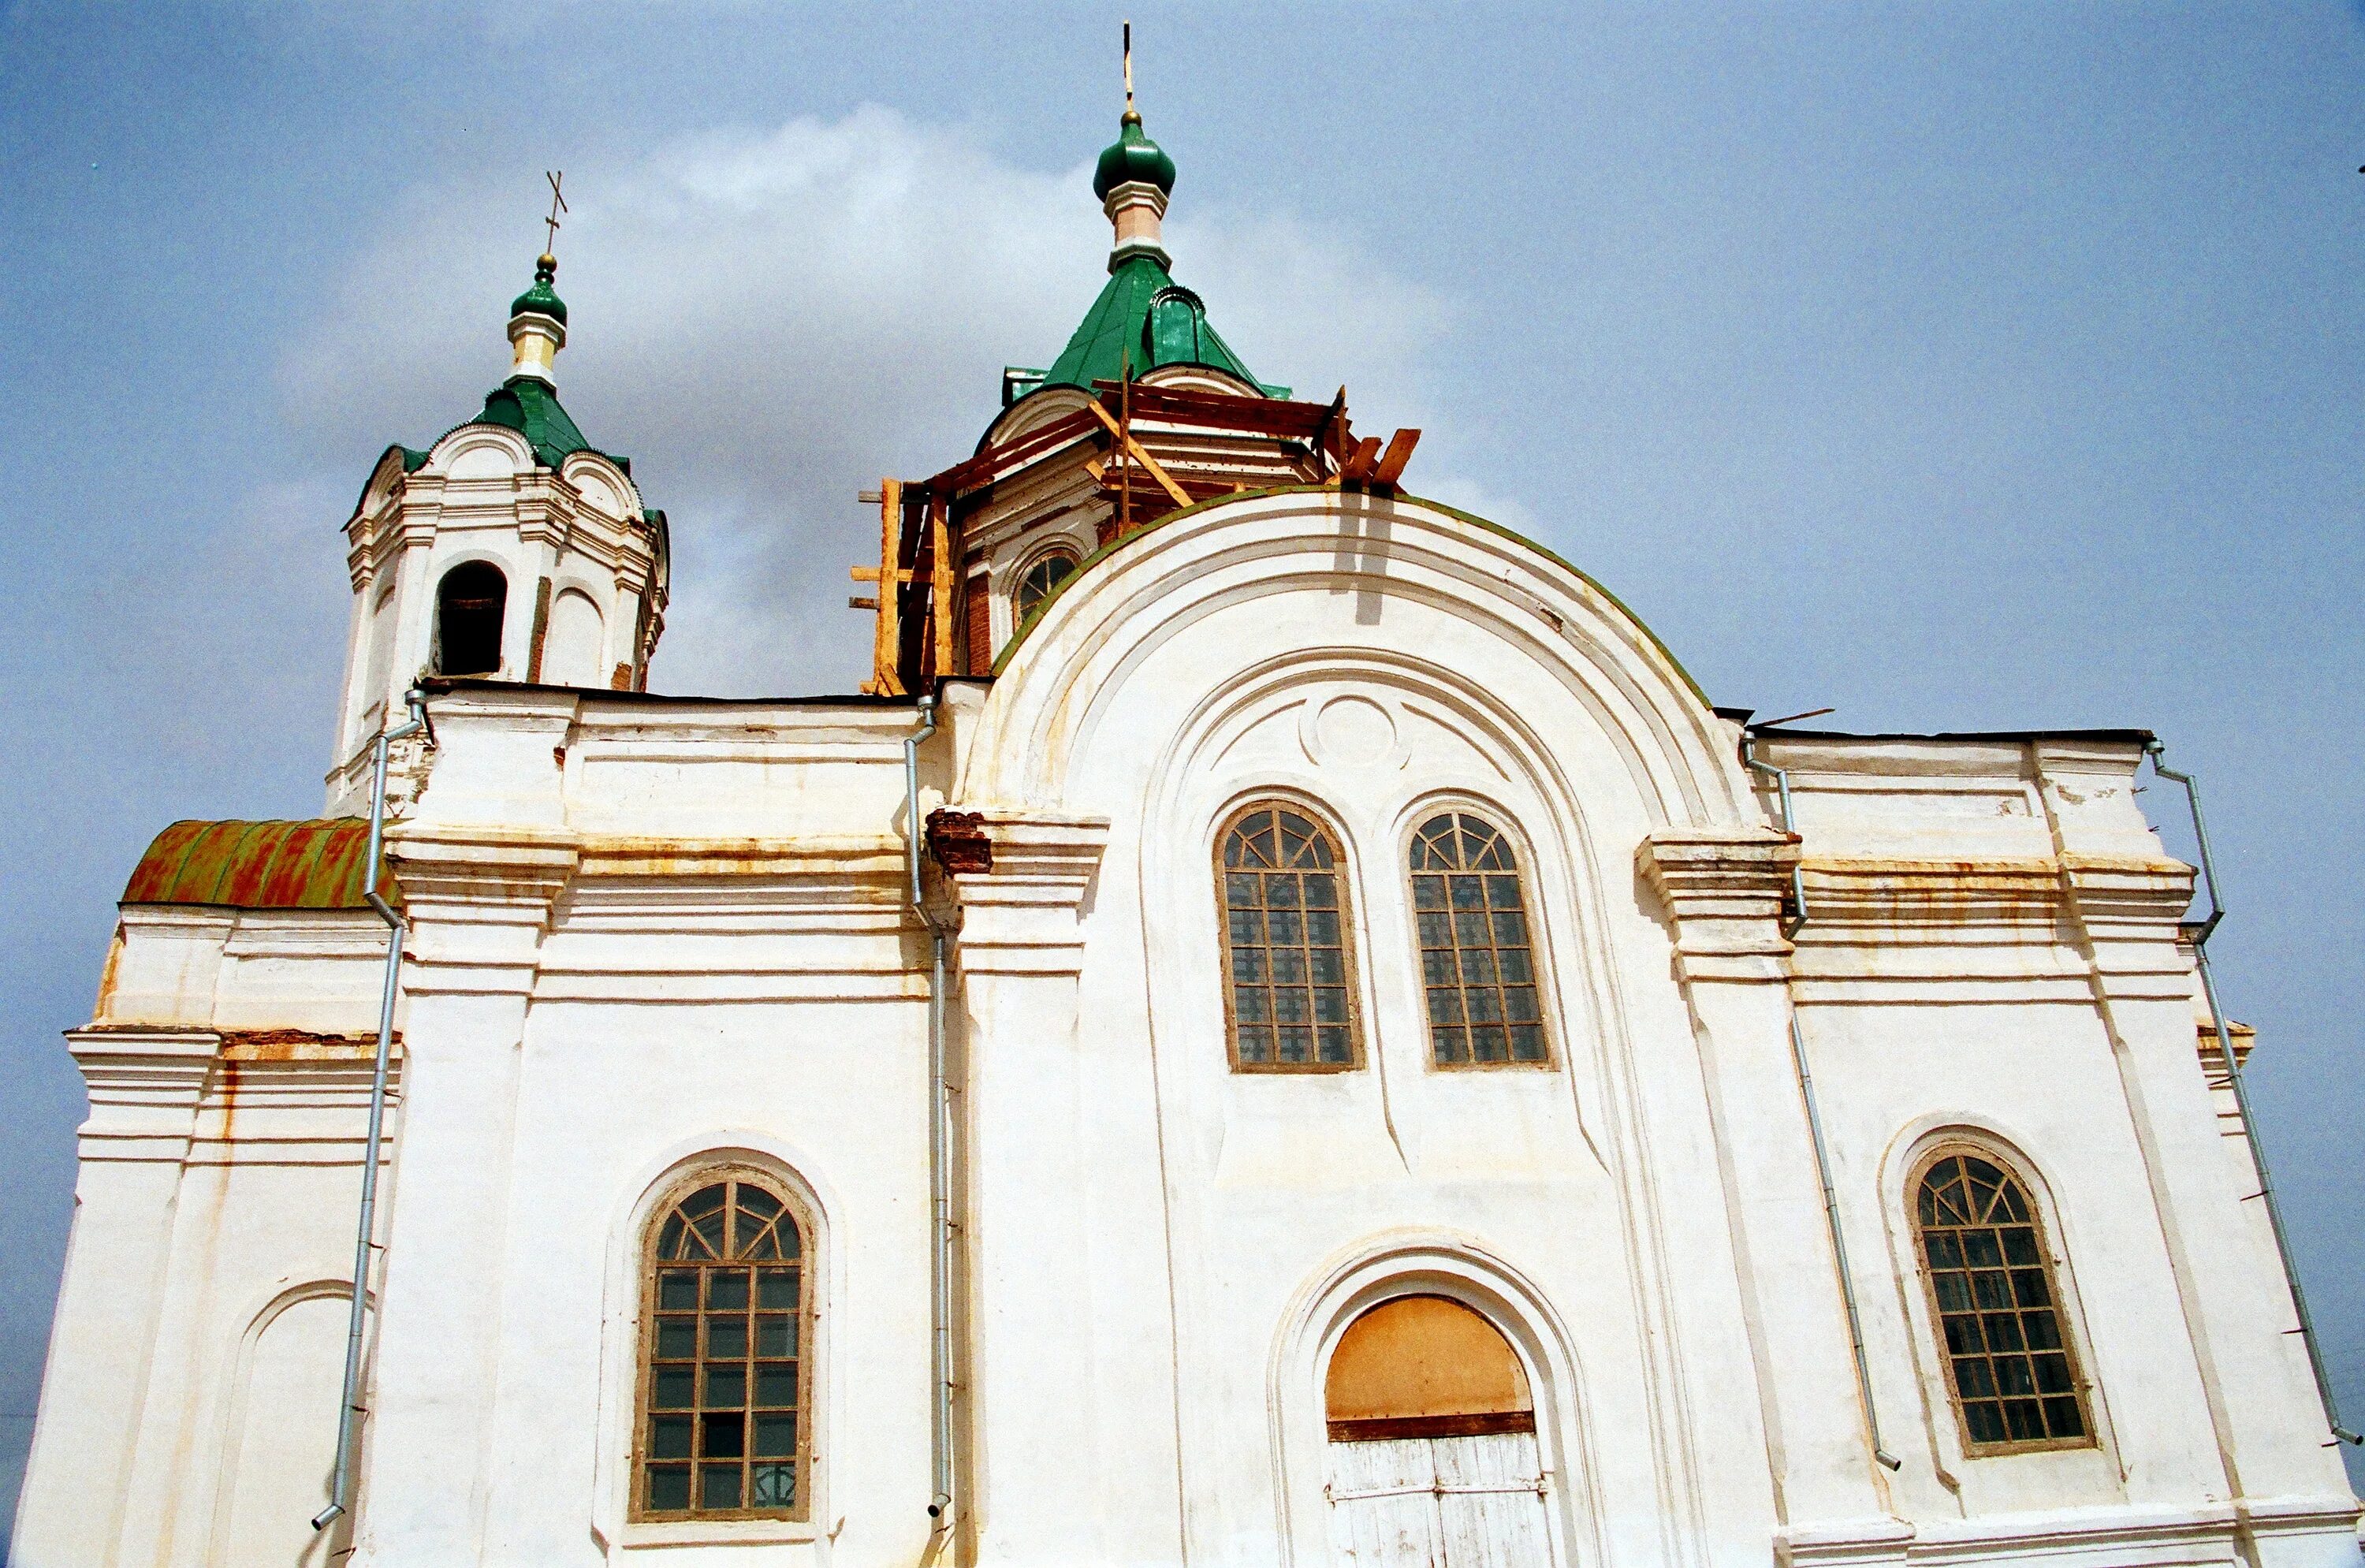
[1263, 416]
[941, 573]
[982, 468]
[1329, 434]
[1399, 452]
[886, 640]
[1357, 469]
[1148, 462]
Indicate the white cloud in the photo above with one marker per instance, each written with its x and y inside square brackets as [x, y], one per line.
[767, 322]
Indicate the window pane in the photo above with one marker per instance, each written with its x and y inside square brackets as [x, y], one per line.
[722, 1436]
[677, 1288]
[668, 1487]
[776, 1287]
[671, 1388]
[772, 1486]
[677, 1339]
[670, 1437]
[726, 1289]
[718, 1486]
[776, 1435]
[776, 1335]
[726, 1388]
[776, 1385]
[726, 1337]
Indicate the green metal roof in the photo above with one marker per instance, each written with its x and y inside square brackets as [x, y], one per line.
[527, 405]
[1142, 320]
[1132, 156]
[259, 865]
[542, 299]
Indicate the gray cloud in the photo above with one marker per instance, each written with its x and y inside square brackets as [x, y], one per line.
[767, 321]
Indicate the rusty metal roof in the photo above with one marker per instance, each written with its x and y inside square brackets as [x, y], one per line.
[264, 865]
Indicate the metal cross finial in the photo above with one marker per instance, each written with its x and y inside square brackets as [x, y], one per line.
[1128, 68]
[557, 206]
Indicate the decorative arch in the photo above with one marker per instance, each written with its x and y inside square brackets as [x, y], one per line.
[277, 1442]
[1462, 1276]
[1064, 684]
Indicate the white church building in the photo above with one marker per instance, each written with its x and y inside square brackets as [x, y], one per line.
[1280, 1027]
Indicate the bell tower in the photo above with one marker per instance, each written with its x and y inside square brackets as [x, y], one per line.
[510, 548]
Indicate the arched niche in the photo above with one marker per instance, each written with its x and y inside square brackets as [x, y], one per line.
[471, 601]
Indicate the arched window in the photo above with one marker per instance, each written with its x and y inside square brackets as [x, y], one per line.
[1288, 984]
[1477, 960]
[468, 605]
[1432, 1454]
[1040, 578]
[724, 1400]
[2009, 1365]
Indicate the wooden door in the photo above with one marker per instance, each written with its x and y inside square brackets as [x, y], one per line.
[1433, 1455]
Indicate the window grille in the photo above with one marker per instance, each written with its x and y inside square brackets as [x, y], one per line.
[1477, 960]
[1288, 980]
[2009, 1365]
[724, 1398]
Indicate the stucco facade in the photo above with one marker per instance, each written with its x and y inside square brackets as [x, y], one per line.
[652, 936]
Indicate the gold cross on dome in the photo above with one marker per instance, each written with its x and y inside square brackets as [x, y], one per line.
[1128, 68]
[557, 206]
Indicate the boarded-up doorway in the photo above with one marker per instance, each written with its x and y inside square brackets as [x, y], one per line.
[1433, 1457]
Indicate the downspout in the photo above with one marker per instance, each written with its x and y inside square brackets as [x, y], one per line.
[365, 1228]
[2242, 1096]
[1815, 1118]
[940, 1185]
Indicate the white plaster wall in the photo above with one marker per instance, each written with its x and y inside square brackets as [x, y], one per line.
[651, 933]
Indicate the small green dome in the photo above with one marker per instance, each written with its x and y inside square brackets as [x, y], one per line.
[1132, 157]
[539, 299]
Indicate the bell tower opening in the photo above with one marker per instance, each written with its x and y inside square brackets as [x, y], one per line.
[469, 603]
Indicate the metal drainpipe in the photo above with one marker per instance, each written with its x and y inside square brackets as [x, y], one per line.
[2159, 753]
[1815, 1121]
[940, 1132]
[340, 1486]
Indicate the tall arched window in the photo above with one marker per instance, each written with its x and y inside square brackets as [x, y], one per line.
[1035, 584]
[1477, 958]
[724, 1400]
[468, 606]
[2009, 1364]
[1288, 982]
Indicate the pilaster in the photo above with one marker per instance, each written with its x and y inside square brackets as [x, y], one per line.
[1724, 895]
[2127, 911]
[1022, 881]
[145, 1085]
[479, 901]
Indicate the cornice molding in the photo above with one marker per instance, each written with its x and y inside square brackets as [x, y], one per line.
[1020, 879]
[1723, 892]
[145, 1084]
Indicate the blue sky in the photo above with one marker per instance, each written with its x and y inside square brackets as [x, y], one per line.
[1956, 366]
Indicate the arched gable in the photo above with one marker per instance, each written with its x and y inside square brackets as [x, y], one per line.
[1164, 621]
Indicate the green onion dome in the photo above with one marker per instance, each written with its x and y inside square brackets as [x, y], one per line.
[539, 299]
[1133, 157]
